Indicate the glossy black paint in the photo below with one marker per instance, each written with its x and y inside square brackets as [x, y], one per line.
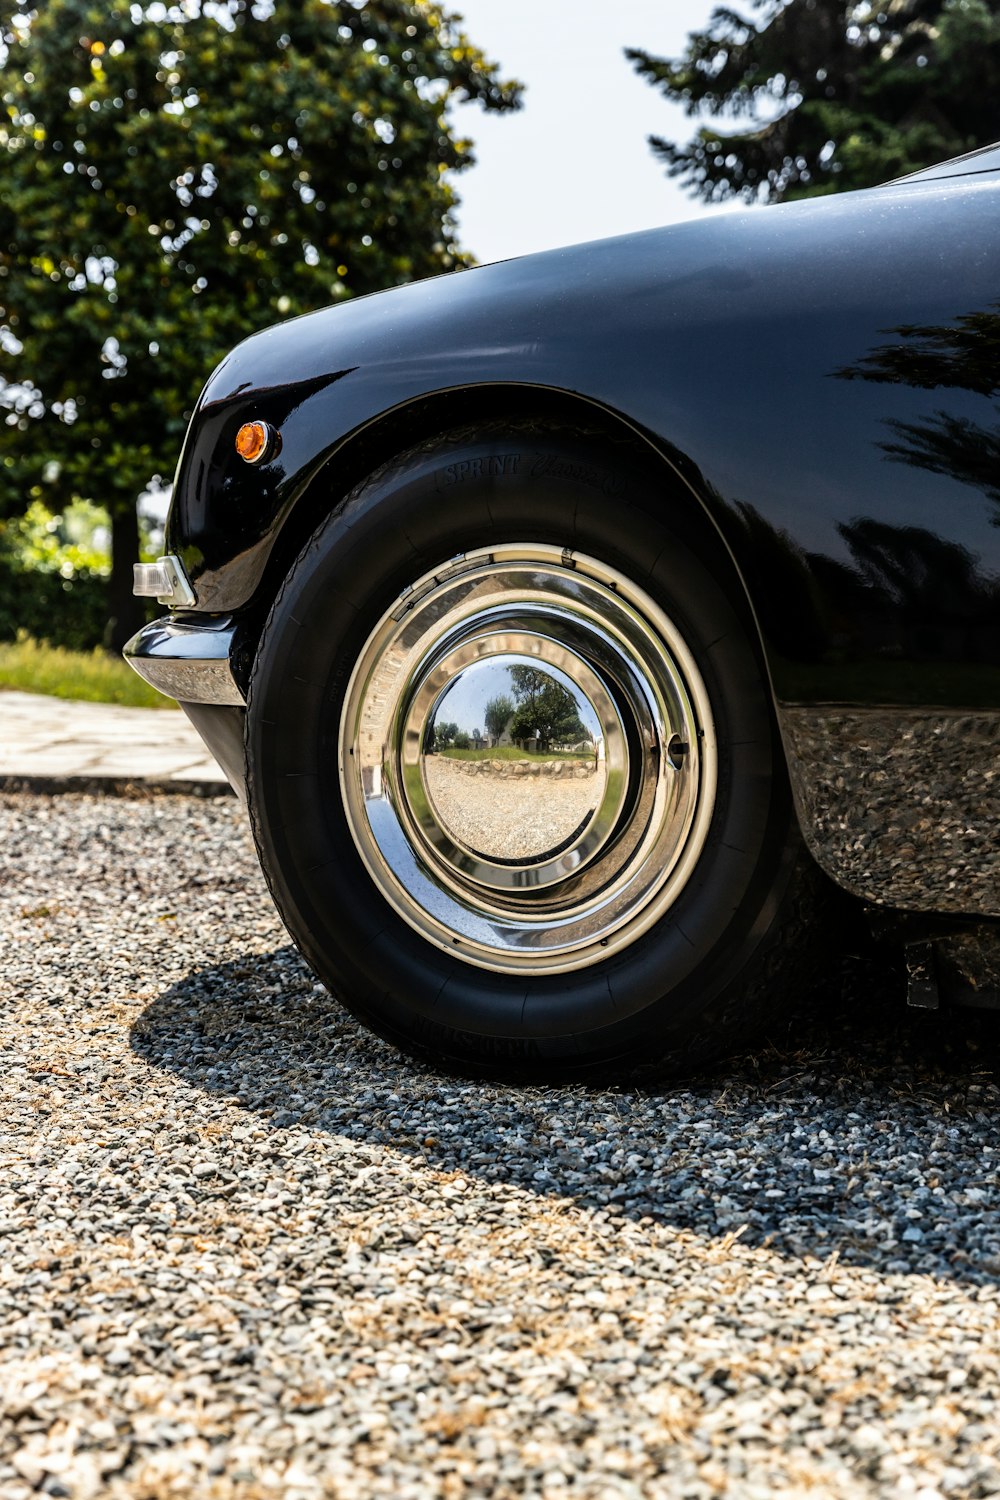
[822, 378]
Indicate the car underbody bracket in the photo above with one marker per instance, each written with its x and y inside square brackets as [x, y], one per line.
[921, 977]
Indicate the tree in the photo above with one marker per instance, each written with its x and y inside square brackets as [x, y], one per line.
[175, 176]
[836, 94]
[447, 734]
[545, 710]
[497, 715]
[438, 737]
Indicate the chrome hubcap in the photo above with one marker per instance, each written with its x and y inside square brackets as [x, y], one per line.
[527, 759]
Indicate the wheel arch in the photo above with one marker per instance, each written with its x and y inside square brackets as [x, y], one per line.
[420, 420]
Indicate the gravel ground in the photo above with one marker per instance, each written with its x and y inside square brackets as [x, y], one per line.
[511, 817]
[248, 1251]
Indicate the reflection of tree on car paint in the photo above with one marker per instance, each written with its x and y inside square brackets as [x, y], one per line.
[965, 356]
[918, 607]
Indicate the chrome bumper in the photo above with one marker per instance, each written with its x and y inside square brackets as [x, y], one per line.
[189, 662]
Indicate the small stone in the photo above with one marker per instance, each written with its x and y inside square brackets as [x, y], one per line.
[29, 1466]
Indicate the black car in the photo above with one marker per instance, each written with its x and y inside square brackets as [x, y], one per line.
[575, 625]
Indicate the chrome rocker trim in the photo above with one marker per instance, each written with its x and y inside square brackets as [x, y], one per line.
[186, 661]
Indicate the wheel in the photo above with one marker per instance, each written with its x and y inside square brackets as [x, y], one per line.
[512, 771]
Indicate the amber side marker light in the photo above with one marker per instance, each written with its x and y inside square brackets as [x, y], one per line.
[256, 441]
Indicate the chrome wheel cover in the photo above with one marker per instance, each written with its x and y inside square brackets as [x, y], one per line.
[557, 850]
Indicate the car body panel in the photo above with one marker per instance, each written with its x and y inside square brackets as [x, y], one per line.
[822, 377]
[985, 159]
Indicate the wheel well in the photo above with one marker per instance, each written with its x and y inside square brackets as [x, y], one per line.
[400, 429]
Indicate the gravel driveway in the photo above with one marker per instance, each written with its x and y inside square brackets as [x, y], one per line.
[247, 1251]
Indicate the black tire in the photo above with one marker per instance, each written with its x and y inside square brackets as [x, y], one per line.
[721, 957]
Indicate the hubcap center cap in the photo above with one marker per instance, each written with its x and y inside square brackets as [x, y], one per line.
[522, 759]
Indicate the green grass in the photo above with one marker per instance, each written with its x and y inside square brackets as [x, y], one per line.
[511, 752]
[33, 667]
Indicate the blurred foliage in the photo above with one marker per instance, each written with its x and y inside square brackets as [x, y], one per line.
[827, 95]
[54, 575]
[69, 612]
[34, 667]
[73, 544]
[176, 176]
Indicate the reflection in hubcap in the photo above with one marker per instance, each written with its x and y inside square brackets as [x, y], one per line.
[497, 804]
[522, 817]
[527, 759]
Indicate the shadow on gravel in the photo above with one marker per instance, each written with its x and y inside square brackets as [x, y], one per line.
[868, 1131]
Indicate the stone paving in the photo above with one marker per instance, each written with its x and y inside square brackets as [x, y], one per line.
[52, 740]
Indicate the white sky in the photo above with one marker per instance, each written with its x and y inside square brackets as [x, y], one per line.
[573, 163]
